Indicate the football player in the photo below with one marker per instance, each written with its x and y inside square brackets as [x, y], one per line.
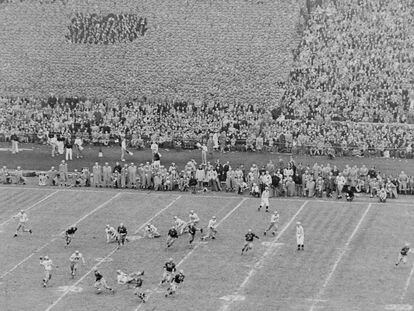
[169, 270]
[250, 236]
[176, 280]
[74, 261]
[69, 233]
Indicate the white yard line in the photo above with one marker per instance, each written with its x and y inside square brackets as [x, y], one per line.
[197, 245]
[158, 213]
[31, 206]
[55, 238]
[259, 264]
[341, 254]
[407, 283]
[68, 290]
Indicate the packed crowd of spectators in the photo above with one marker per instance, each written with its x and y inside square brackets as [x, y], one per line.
[281, 179]
[108, 29]
[354, 63]
[230, 127]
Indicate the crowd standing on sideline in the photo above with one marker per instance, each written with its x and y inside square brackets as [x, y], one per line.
[272, 179]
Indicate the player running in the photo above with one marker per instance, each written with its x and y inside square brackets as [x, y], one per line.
[122, 234]
[176, 280]
[212, 229]
[69, 233]
[47, 264]
[250, 236]
[194, 219]
[111, 234]
[172, 236]
[74, 261]
[274, 223]
[192, 230]
[300, 236]
[150, 231]
[22, 219]
[265, 199]
[402, 256]
[180, 225]
[169, 270]
[100, 282]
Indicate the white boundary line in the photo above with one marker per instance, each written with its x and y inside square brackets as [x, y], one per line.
[341, 254]
[407, 283]
[158, 213]
[31, 206]
[259, 264]
[55, 238]
[197, 245]
[67, 291]
[158, 193]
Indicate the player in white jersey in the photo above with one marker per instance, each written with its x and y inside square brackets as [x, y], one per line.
[274, 223]
[129, 279]
[111, 234]
[179, 225]
[150, 231]
[265, 199]
[212, 229]
[74, 261]
[47, 264]
[300, 236]
[22, 218]
[194, 219]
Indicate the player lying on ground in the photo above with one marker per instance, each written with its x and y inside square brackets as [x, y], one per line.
[129, 279]
[150, 231]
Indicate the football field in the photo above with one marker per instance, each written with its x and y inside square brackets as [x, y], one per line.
[347, 264]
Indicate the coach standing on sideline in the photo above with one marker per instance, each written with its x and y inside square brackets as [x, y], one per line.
[15, 143]
[68, 146]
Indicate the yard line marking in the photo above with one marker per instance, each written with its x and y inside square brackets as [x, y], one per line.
[259, 264]
[55, 238]
[407, 283]
[158, 213]
[68, 290]
[197, 245]
[341, 254]
[31, 206]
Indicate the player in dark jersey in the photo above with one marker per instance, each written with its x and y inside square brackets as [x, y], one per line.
[100, 282]
[176, 280]
[122, 234]
[402, 256]
[250, 236]
[169, 270]
[192, 230]
[172, 236]
[69, 233]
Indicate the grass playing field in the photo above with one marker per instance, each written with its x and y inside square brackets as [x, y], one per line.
[348, 262]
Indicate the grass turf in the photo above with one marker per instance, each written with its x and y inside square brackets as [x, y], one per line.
[364, 279]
